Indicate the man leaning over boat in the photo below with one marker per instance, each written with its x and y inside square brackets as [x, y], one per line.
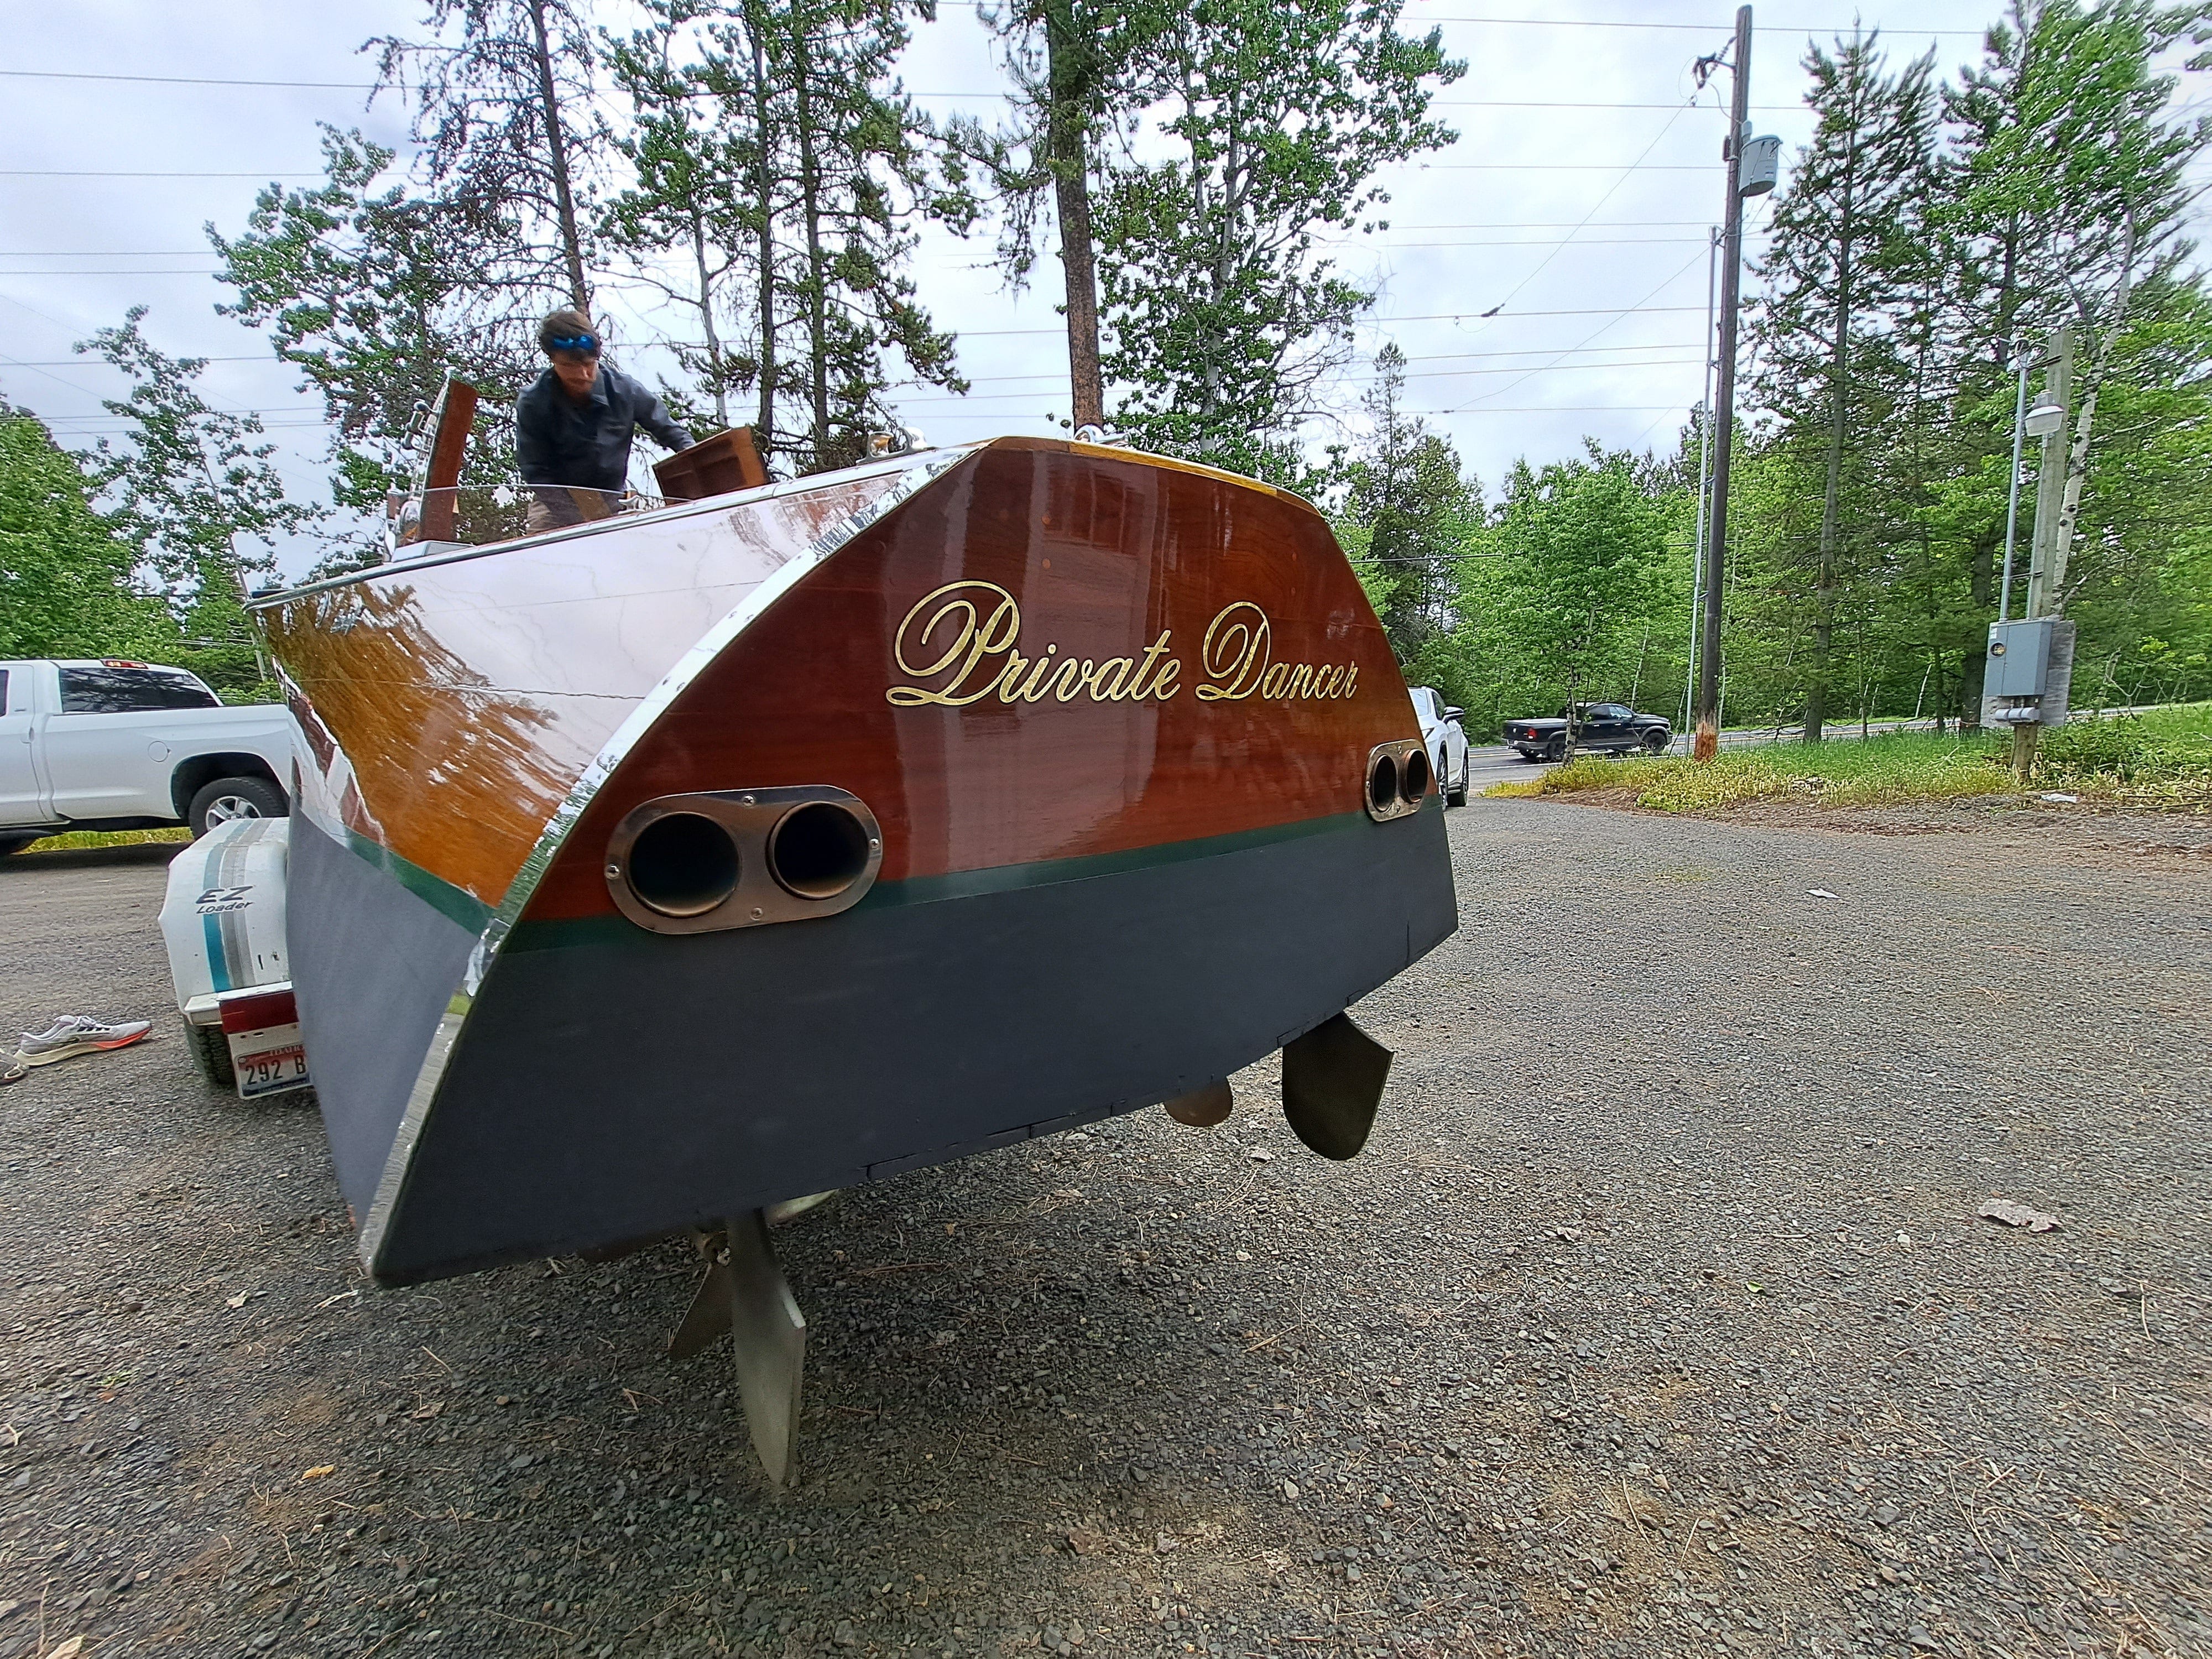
[573, 427]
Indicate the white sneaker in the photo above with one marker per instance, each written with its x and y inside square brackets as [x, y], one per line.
[74, 1034]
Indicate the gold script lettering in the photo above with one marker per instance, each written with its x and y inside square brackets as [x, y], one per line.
[957, 646]
[1234, 652]
[971, 621]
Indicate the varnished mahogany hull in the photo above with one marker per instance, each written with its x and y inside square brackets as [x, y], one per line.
[1115, 870]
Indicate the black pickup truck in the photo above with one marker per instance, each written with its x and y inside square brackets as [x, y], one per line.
[1600, 728]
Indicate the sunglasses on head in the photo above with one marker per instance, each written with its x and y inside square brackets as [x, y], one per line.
[572, 342]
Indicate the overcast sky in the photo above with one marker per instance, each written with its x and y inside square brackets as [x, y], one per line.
[1576, 199]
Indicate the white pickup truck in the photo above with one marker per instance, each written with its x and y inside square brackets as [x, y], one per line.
[111, 744]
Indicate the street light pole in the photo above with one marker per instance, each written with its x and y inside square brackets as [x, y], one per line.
[1709, 676]
[2012, 494]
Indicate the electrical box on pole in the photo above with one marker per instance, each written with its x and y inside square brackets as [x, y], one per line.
[1761, 166]
[2030, 672]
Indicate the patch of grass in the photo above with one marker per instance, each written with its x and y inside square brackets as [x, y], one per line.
[74, 839]
[1856, 772]
[2160, 760]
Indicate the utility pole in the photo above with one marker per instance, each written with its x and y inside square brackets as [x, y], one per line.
[1707, 744]
[1705, 482]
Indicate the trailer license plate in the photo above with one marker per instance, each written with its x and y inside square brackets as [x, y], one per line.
[270, 1060]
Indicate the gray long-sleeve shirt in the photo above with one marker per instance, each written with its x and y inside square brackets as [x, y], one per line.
[586, 445]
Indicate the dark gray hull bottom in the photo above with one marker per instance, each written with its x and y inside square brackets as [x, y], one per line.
[610, 1084]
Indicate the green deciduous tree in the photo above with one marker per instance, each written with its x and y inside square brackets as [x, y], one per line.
[1571, 567]
[68, 587]
[198, 494]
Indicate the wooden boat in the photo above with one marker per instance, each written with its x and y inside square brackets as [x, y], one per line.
[650, 872]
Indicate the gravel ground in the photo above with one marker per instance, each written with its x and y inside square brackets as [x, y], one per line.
[1656, 1319]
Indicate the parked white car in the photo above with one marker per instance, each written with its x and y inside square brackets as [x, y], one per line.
[112, 744]
[1447, 740]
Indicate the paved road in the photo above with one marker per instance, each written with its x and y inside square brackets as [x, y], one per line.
[1496, 764]
[1654, 1320]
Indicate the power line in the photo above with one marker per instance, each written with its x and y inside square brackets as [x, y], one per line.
[55, 173]
[1421, 317]
[185, 79]
[1640, 23]
[1349, 244]
[249, 357]
[1560, 167]
[990, 93]
[1618, 317]
[1530, 408]
[1054, 382]
[1656, 138]
[1416, 357]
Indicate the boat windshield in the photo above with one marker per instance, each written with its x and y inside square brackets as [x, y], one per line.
[471, 515]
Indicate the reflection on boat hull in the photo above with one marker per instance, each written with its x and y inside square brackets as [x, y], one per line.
[1100, 724]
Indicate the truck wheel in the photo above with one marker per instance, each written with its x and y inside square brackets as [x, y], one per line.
[1657, 743]
[210, 1052]
[226, 799]
[1457, 797]
[1556, 750]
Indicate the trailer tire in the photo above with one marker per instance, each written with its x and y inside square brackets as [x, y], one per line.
[210, 1051]
[224, 799]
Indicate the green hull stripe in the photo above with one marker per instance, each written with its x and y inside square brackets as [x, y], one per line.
[967, 884]
[1049, 873]
[455, 903]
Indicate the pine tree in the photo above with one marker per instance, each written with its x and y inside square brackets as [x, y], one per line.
[1223, 317]
[2071, 195]
[1405, 493]
[504, 115]
[1846, 248]
[377, 292]
[838, 171]
[691, 155]
[196, 493]
[1073, 64]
